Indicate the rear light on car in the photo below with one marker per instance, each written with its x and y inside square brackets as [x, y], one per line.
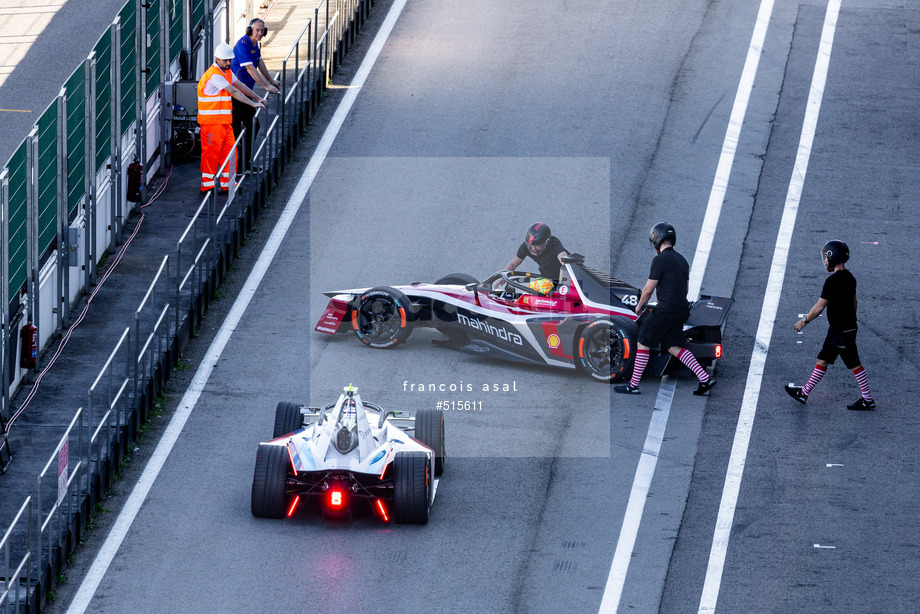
[381, 510]
[335, 498]
[293, 506]
[719, 351]
[291, 456]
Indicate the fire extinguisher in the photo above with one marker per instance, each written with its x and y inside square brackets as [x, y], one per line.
[135, 171]
[28, 343]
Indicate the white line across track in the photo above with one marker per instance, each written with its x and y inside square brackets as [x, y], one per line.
[616, 579]
[127, 515]
[738, 456]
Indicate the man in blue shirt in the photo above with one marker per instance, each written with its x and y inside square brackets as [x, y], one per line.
[249, 68]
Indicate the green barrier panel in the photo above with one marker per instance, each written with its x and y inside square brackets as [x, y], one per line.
[175, 28]
[128, 17]
[103, 99]
[76, 133]
[198, 11]
[18, 177]
[47, 179]
[153, 49]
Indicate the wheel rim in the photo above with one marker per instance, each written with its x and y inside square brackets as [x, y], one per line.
[602, 352]
[378, 320]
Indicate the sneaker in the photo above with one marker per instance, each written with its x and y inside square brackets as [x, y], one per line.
[704, 387]
[626, 389]
[796, 393]
[862, 405]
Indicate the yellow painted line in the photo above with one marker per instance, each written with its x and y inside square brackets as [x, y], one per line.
[16, 110]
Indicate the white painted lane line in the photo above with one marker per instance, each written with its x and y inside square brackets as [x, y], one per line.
[767, 316]
[616, 579]
[189, 400]
[729, 148]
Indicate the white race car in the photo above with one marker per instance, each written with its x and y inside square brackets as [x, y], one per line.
[350, 452]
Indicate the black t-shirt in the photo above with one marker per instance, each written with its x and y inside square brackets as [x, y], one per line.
[548, 260]
[672, 273]
[840, 293]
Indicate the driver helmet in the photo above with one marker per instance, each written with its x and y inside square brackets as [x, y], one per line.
[836, 252]
[661, 232]
[542, 285]
[537, 235]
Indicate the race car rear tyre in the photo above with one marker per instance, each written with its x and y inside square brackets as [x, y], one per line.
[380, 317]
[287, 418]
[269, 499]
[606, 348]
[458, 279]
[429, 429]
[411, 488]
[445, 312]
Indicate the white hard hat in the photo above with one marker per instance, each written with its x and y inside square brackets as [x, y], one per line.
[223, 52]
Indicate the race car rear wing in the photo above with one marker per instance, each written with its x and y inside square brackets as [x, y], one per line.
[709, 311]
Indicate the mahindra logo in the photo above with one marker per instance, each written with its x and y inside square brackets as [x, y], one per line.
[487, 328]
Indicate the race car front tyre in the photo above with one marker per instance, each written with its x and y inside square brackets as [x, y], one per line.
[380, 317]
[606, 348]
[429, 429]
[411, 488]
[269, 499]
[287, 418]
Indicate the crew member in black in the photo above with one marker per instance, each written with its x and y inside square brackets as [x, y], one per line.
[545, 249]
[839, 297]
[664, 324]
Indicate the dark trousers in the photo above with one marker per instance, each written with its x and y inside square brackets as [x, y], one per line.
[243, 115]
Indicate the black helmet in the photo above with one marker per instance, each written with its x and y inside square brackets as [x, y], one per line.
[661, 232]
[836, 253]
[538, 234]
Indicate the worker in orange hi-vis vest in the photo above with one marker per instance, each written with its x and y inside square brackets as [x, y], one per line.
[217, 88]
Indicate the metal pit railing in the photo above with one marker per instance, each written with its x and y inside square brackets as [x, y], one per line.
[87, 454]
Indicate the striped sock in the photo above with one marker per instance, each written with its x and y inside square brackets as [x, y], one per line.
[638, 367]
[863, 380]
[687, 357]
[816, 376]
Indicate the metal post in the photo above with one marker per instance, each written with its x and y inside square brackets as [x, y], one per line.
[89, 152]
[208, 28]
[140, 70]
[32, 230]
[63, 213]
[4, 300]
[281, 98]
[187, 35]
[115, 105]
[164, 74]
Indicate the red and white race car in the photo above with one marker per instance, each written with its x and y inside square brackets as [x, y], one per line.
[586, 321]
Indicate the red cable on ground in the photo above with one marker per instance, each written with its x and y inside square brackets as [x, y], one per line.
[80, 318]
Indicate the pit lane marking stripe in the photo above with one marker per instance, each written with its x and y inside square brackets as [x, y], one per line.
[189, 400]
[616, 579]
[638, 496]
[774, 288]
[729, 148]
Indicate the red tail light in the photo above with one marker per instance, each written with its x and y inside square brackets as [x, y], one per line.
[381, 510]
[336, 498]
[293, 506]
[719, 351]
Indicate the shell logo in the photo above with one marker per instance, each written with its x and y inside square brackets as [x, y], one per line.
[553, 341]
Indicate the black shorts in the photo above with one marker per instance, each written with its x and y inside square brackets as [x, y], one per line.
[664, 329]
[840, 344]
